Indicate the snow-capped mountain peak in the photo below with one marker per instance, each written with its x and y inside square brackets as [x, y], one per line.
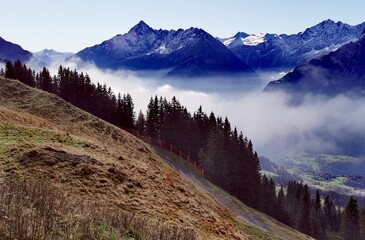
[254, 39]
[242, 38]
[236, 40]
[190, 52]
[288, 51]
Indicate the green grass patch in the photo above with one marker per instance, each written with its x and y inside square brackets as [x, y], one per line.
[107, 232]
[337, 158]
[257, 233]
[13, 136]
[339, 182]
[269, 174]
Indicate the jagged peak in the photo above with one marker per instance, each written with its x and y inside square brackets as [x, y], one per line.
[241, 35]
[194, 29]
[141, 27]
[325, 22]
[325, 25]
[330, 23]
[142, 23]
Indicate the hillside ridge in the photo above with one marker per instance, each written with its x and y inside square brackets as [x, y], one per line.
[44, 137]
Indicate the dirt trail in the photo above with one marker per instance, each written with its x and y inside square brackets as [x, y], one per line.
[247, 214]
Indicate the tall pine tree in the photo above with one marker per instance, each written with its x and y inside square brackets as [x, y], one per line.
[350, 224]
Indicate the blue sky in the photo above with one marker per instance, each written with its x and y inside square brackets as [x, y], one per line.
[72, 25]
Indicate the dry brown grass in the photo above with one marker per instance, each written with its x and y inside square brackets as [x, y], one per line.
[36, 210]
[44, 138]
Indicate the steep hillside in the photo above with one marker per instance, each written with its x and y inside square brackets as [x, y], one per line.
[257, 219]
[43, 137]
[12, 52]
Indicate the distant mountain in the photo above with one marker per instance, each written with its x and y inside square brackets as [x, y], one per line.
[184, 53]
[339, 72]
[268, 51]
[50, 56]
[13, 52]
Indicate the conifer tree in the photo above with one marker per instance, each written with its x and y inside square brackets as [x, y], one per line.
[362, 224]
[317, 202]
[268, 196]
[350, 224]
[19, 71]
[281, 213]
[128, 111]
[328, 214]
[304, 211]
[318, 230]
[9, 70]
[212, 120]
[141, 123]
[44, 81]
[152, 117]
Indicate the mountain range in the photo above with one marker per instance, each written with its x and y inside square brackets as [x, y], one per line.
[272, 51]
[195, 53]
[339, 72]
[184, 53]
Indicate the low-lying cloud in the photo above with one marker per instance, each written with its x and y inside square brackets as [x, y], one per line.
[318, 125]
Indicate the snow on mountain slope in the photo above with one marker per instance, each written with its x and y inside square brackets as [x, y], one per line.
[187, 53]
[287, 51]
[340, 72]
[254, 39]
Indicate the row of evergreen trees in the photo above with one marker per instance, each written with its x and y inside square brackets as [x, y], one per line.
[78, 89]
[227, 156]
[319, 217]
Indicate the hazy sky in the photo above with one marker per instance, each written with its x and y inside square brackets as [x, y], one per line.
[72, 25]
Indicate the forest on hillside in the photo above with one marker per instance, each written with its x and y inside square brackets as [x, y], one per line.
[227, 156]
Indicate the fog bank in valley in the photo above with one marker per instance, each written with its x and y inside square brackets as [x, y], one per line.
[318, 125]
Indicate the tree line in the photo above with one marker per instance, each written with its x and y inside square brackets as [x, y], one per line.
[227, 156]
[78, 89]
[320, 217]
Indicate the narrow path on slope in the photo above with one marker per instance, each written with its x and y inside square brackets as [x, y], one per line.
[247, 214]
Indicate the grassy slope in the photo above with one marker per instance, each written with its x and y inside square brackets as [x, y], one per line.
[43, 137]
